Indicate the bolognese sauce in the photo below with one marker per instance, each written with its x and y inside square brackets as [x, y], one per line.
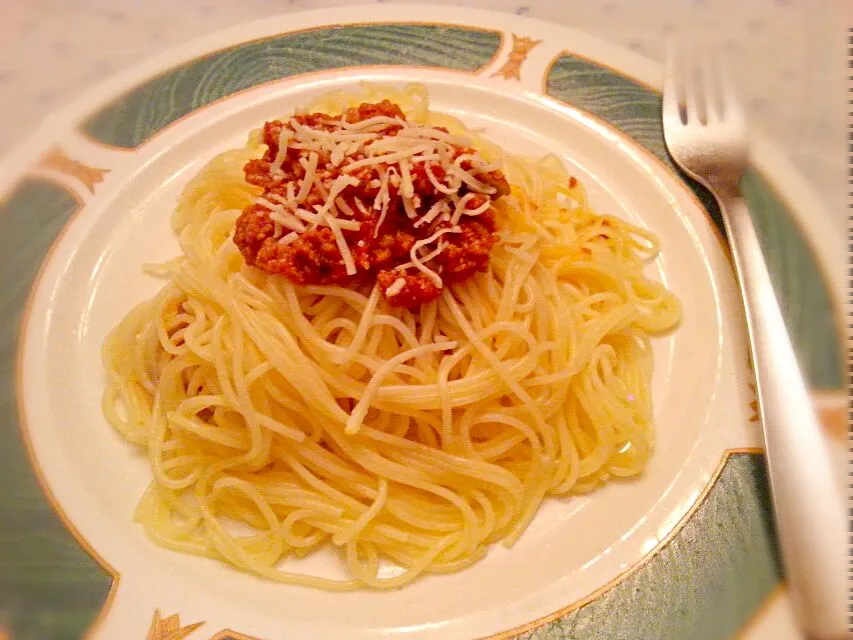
[370, 197]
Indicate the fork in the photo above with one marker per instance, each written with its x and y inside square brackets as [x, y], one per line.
[706, 134]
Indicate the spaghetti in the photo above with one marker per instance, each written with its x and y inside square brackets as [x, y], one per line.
[283, 417]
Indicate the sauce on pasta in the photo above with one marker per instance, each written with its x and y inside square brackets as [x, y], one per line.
[367, 197]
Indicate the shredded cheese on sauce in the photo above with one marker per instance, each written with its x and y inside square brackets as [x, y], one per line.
[357, 145]
[416, 261]
[395, 288]
[283, 139]
[310, 166]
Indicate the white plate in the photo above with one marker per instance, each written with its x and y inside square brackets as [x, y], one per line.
[573, 547]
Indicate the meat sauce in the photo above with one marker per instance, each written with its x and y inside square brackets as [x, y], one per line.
[315, 258]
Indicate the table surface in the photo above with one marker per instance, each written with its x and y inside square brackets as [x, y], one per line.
[790, 55]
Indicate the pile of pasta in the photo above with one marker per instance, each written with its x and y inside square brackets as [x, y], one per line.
[282, 419]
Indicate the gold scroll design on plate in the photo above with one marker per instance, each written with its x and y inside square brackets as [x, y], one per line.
[169, 628]
[58, 160]
[830, 405]
[753, 406]
[521, 48]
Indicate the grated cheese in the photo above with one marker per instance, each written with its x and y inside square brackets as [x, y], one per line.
[344, 208]
[425, 158]
[353, 148]
[410, 208]
[395, 287]
[407, 187]
[310, 166]
[308, 216]
[279, 199]
[419, 265]
[434, 212]
[289, 238]
[288, 221]
[283, 139]
[432, 255]
[291, 194]
[446, 189]
[384, 121]
[361, 206]
[383, 198]
[462, 208]
[305, 132]
[390, 160]
[470, 180]
[434, 134]
[387, 158]
[343, 247]
[338, 185]
[338, 154]
[269, 205]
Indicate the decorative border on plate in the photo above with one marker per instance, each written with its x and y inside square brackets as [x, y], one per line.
[649, 557]
[170, 628]
[521, 48]
[68, 215]
[196, 74]
[57, 160]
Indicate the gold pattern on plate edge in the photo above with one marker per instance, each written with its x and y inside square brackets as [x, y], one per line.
[227, 634]
[169, 628]
[753, 405]
[521, 48]
[59, 161]
[829, 404]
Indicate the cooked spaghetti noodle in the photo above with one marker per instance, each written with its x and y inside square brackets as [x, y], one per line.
[282, 418]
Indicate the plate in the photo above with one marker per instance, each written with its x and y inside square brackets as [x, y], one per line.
[685, 551]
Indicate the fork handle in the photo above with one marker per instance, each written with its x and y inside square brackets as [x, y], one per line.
[807, 495]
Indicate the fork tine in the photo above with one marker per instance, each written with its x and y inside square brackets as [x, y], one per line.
[692, 97]
[729, 102]
[671, 107]
[710, 77]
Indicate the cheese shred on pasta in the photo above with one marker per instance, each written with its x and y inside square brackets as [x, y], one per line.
[280, 420]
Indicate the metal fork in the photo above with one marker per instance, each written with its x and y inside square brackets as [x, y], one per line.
[706, 133]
